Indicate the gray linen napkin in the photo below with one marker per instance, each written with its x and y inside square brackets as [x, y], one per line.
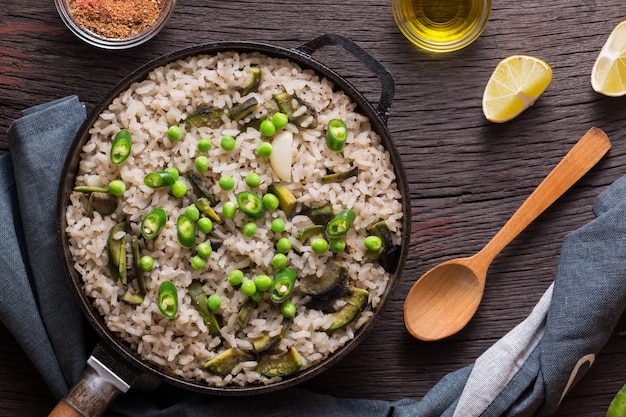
[526, 373]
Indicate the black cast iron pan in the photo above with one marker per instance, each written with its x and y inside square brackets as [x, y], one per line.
[113, 367]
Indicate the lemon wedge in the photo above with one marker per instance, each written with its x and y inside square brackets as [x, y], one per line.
[608, 75]
[516, 82]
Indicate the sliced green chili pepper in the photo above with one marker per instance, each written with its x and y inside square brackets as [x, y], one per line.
[120, 148]
[200, 300]
[159, 179]
[153, 223]
[340, 224]
[186, 231]
[251, 204]
[168, 299]
[284, 282]
[336, 135]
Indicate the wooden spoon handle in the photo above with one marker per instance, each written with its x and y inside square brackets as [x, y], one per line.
[578, 161]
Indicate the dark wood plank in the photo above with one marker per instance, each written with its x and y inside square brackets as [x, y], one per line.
[466, 176]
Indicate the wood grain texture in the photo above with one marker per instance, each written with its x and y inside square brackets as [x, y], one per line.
[466, 176]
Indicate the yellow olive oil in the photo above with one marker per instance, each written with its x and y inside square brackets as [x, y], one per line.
[441, 25]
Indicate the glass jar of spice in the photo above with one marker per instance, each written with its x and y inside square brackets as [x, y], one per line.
[115, 24]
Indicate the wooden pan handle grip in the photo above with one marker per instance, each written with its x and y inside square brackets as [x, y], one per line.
[63, 409]
[93, 392]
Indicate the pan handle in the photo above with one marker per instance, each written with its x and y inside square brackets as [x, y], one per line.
[97, 387]
[384, 76]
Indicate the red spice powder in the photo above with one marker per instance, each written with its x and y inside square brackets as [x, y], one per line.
[115, 19]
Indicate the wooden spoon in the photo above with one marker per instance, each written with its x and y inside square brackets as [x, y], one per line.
[444, 299]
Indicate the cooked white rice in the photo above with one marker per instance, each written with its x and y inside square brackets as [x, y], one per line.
[168, 95]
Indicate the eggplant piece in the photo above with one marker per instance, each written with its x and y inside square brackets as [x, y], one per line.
[356, 299]
[333, 281]
[266, 342]
[224, 363]
[199, 190]
[105, 204]
[199, 299]
[255, 80]
[320, 215]
[205, 117]
[241, 110]
[298, 112]
[287, 201]
[340, 176]
[388, 256]
[280, 364]
[132, 297]
[116, 248]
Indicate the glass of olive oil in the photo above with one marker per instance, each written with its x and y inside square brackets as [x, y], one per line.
[441, 25]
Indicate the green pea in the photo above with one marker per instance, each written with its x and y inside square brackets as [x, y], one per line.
[257, 296]
[204, 145]
[202, 164]
[319, 245]
[283, 245]
[235, 277]
[214, 302]
[146, 263]
[204, 249]
[193, 213]
[337, 245]
[267, 128]
[198, 262]
[229, 209]
[173, 172]
[278, 225]
[226, 182]
[227, 143]
[117, 187]
[179, 188]
[249, 229]
[253, 179]
[205, 225]
[280, 120]
[248, 287]
[175, 133]
[373, 243]
[288, 309]
[279, 261]
[264, 150]
[270, 201]
[263, 282]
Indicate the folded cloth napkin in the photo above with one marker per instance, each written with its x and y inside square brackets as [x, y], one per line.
[526, 373]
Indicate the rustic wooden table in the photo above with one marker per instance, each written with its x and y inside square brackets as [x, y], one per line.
[466, 175]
